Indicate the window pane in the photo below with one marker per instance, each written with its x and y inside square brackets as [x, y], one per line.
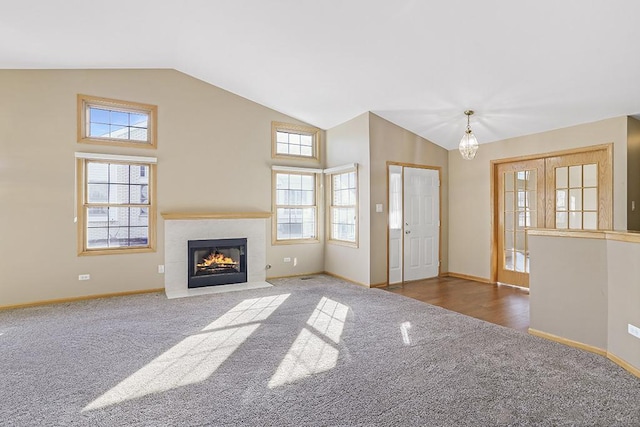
[561, 200]
[521, 179]
[509, 204]
[295, 182]
[509, 240]
[520, 262]
[119, 173]
[97, 193]
[308, 182]
[282, 137]
[99, 130]
[97, 237]
[119, 194]
[98, 115]
[138, 134]
[119, 118]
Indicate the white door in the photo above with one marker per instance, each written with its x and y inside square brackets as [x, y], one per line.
[395, 224]
[421, 223]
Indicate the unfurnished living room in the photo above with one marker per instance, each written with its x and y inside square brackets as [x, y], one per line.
[296, 213]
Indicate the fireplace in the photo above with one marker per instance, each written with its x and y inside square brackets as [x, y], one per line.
[217, 262]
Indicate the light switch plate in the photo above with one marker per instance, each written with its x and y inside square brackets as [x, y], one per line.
[378, 207]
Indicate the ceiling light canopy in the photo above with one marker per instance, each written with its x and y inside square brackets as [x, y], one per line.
[468, 144]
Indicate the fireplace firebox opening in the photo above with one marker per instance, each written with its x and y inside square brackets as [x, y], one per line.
[217, 262]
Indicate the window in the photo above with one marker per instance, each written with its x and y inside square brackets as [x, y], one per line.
[116, 206]
[295, 207]
[114, 122]
[294, 141]
[343, 212]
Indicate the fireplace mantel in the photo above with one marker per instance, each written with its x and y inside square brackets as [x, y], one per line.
[214, 215]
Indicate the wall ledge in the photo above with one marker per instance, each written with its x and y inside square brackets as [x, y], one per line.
[619, 236]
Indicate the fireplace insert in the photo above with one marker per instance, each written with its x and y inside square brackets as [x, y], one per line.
[217, 262]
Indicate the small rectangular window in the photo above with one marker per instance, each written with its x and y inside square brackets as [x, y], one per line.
[294, 141]
[343, 215]
[114, 206]
[114, 122]
[295, 207]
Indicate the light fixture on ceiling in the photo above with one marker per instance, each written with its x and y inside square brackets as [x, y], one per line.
[468, 144]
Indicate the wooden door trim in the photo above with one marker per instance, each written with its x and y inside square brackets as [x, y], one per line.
[493, 258]
[415, 166]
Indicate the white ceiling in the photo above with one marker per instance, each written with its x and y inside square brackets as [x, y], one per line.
[524, 67]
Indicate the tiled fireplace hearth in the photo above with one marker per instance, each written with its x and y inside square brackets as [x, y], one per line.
[180, 228]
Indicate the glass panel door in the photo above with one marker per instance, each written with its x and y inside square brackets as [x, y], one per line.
[520, 205]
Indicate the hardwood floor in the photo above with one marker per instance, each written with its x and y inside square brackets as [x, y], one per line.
[503, 305]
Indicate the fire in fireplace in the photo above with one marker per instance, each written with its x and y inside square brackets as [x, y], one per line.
[217, 262]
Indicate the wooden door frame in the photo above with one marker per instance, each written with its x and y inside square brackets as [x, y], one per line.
[416, 166]
[494, 188]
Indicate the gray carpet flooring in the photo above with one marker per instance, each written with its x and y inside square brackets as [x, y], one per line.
[314, 352]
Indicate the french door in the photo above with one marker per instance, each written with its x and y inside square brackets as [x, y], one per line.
[521, 204]
[569, 190]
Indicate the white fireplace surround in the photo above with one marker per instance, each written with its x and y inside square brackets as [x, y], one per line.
[179, 228]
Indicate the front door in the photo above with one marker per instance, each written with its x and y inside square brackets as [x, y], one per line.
[421, 223]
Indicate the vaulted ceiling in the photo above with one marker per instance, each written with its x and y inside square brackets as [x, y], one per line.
[524, 67]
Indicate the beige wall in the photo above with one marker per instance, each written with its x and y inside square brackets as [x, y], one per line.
[349, 143]
[469, 186]
[568, 288]
[205, 135]
[624, 300]
[584, 289]
[633, 173]
[390, 142]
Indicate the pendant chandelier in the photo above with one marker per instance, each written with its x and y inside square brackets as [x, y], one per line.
[468, 144]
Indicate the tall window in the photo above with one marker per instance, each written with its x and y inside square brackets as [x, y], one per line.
[115, 122]
[343, 210]
[294, 141]
[295, 207]
[116, 206]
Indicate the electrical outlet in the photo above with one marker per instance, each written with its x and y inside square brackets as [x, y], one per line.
[287, 259]
[161, 269]
[84, 277]
[634, 330]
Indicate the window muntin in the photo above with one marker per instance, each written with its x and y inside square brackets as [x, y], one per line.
[295, 207]
[115, 122]
[294, 141]
[115, 206]
[343, 208]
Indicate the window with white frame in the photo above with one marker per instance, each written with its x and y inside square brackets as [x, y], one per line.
[294, 141]
[116, 205]
[295, 203]
[115, 122]
[343, 211]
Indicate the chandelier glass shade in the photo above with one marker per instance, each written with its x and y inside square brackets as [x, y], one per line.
[468, 144]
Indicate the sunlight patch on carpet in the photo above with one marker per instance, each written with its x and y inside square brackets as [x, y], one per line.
[195, 358]
[314, 349]
[404, 330]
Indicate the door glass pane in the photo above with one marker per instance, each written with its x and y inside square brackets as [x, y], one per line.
[508, 260]
[508, 220]
[590, 199]
[561, 200]
[575, 199]
[575, 220]
[562, 180]
[509, 241]
[532, 180]
[575, 176]
[508, 201]
[590, 173]
[521, 179]
[590, 220]
[520, 262]
[520, 243]
[562, 220]
[521, 200]
[508, 181]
